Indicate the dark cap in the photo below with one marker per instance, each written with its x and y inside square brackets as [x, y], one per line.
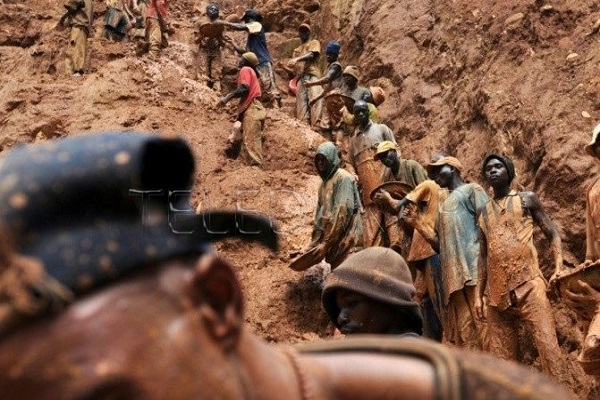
[252, 14]
[93, 208]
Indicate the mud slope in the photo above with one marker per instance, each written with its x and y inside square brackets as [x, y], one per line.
[462, 77]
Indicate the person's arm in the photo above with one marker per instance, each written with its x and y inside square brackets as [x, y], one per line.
[479, 305]
[411, 215]
[388, 134]
[590, 255]
[232, 25]
[335, 228]
[532, 203]
[332, 72]
[240, 91]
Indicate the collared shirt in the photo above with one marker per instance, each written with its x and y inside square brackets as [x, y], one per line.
[309, 67]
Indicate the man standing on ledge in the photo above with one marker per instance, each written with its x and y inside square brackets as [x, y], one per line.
[80, 14]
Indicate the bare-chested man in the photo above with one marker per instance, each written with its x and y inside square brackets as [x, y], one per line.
[509, 270]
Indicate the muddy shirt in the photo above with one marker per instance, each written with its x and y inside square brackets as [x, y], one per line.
[362, 148]
[511, 256]
[155, 5]
[309, 67]
[411, 173]
[428, 196]
[338, 215]
[458, 235]
[82, 13]
[592, 222]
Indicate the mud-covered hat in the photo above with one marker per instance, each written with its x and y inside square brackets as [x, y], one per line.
[252, 14]
[93, 208]
[378, 273]
[251, 58]
[383, 147]
[589, 148]
[352, 71]
[452, 161]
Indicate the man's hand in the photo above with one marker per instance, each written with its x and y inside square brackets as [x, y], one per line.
[480, 307]
[385, 200]
[410, 214]
[558, 270]
[223, 100]
[583, 299]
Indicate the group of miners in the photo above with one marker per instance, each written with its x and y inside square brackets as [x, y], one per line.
[413, 251]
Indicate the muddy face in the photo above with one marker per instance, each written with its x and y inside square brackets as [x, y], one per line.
[361, 113]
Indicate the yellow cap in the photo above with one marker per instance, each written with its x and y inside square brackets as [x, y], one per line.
[251, 58]
[452, 161]
[352, 71]
[383, 147]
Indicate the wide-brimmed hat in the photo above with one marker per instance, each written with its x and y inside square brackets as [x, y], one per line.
[383, 147]
[352, 71]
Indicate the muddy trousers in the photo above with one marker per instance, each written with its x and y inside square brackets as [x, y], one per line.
[154, 35]
[211, 65]
[381, 229]
[464, 328]
[268, 87]
[253, 123]
[304, 111]
[76, 53]
[531, 307]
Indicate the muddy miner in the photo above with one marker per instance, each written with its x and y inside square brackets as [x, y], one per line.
[139, 260]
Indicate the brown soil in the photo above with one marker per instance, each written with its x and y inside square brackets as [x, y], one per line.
[462, 77]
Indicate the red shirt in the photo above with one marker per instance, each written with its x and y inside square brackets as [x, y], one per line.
[160, 5]
[248, 77]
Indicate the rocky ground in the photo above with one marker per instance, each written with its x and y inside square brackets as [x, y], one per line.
[462, 77]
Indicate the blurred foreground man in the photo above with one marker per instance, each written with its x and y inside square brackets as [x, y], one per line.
[109, 290]
[79, 16]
